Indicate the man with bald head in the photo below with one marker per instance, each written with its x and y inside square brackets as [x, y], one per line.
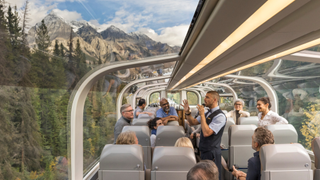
[212, 123]
[166, 113]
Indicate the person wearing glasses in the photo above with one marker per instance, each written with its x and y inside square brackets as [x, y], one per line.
[127, 115]
[238, 111]
[166, 113]
[153, 125]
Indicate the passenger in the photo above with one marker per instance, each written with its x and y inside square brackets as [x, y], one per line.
[183, 142]
[166, 113]
[266, 116]
[153, 125]
[238, 111]
[127, 115]
[204, 170]
[128, 137]
[140, 108]
[212, 126]
[260, 137]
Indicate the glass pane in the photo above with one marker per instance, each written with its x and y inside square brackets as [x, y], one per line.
[173, 99]
[155, 98]
[226, 103]
[192, 98]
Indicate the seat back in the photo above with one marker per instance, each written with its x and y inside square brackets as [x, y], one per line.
[283, 133]
[285, 161]
[168, 135]
[249, 120]
[172, 163]
[139, 122]
[194, 111]
[316, 150]
[240, 145]
[143, 135]
[173, 123]
[121, 162]
[144, 116]
[225, 135]
[225, 111]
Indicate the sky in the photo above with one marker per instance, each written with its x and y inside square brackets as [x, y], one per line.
[166, 21]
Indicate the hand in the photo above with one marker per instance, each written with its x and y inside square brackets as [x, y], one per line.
[164, 121]
[200, 109]
[197, 135]
[149, 113]
[191, 136]
[185, 105]
[237, 173]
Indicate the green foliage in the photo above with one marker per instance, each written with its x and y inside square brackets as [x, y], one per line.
[192, 98]
[42, 37]
[155, 98]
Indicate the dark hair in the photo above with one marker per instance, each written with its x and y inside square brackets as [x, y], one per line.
[265, 100]
[153, 122]
[263, 136]
[204, 170]
[214, 94]
[141, 102]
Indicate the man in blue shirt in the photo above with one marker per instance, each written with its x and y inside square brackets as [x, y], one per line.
[212, 125]
[260, 137]
[166, 113]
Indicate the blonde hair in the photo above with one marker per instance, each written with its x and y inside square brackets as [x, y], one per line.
[128, 137]
[183, 142]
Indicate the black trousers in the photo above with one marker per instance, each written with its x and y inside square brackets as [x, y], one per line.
[213, 156]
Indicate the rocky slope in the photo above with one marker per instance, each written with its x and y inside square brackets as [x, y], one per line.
[111, 44]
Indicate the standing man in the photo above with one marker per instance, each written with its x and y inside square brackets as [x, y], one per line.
[212, 125]
[140, 108]
[166, 113]
[127, 115]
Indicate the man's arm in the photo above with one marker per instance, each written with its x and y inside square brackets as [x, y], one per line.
[191, 120]
[206, 130]
[169, 118]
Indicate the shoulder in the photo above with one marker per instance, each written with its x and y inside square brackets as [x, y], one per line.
[172, 108]
[254, 161]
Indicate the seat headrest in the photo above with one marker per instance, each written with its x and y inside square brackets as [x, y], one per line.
[144, 116]
[173, 158]
[284, 157]
[241, 134]
[139, 122]
[142, 133]
[168, 135]
[224, 111]
[283, 133]
[173, 123]
[316, 150]
[121, 157]
[230, 122]
[249, 120]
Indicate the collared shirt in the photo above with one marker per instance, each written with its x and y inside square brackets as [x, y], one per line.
[271, 118]
[217, 122]
[162, 114]
[138, 109]
[118, 127]
[254, 170]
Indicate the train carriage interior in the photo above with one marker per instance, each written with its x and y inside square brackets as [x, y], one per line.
[64, 81]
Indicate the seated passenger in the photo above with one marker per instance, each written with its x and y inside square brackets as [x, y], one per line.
[166, 113]
[183, 142]
[266, 116]
[128, 137]
[127, 115]
[260, 137]
[153, 125]
[140, 108]
[204, 170]
[238, 111]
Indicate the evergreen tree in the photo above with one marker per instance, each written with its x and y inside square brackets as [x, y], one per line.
[79, 57]
[13, 27]
[42, 39]
[56, 50]
[61, 50]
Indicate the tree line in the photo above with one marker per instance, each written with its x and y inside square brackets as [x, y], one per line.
[36, 84]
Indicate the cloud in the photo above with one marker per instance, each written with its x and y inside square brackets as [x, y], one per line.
[68, 15]
[173, 36]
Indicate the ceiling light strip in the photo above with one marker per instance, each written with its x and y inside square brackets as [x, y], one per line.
[275, 56]
[263, 14]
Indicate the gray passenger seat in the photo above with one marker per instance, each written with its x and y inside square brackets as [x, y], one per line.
[283, 133]
[225, 135]
[168, 135]
[240, 145]
[316, 150]
[140, 122]
[285, 161]
[172, 163]
[143, 135]
[121, 162]
[249, 120]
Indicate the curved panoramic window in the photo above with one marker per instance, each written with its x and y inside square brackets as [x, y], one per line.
[192, 98]
[154, 98]
[173, 99]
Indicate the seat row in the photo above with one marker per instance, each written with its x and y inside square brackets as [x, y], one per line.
[119, 162]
